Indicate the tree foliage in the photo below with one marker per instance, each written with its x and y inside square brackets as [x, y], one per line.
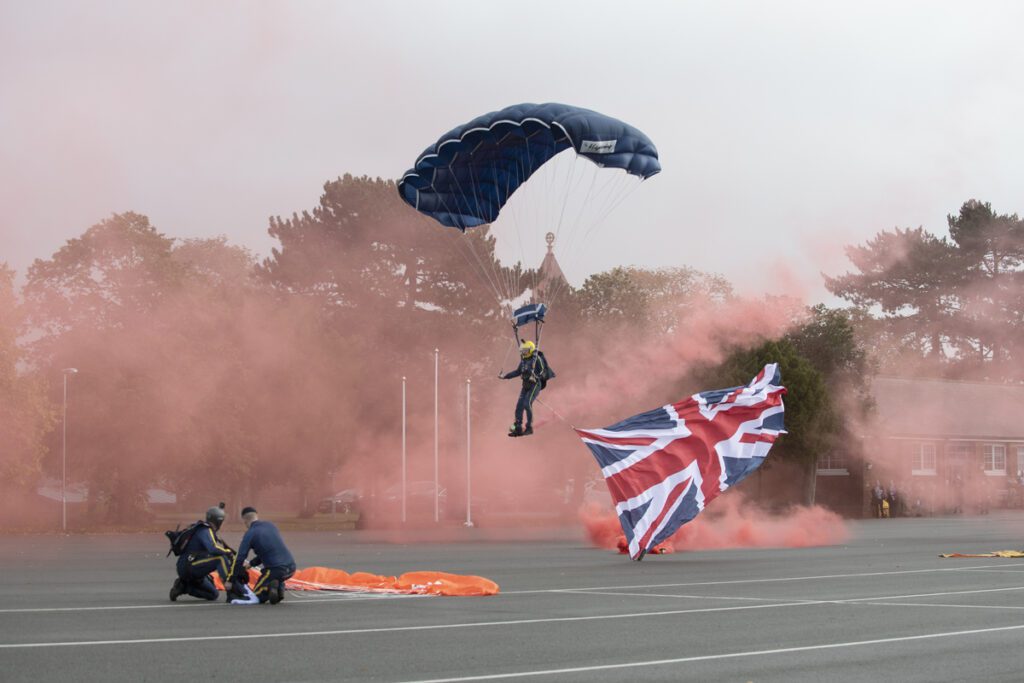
[25, 413]
[939, 306]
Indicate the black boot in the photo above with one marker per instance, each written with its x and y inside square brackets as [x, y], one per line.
[274, 592]
[528, 430]
[177, 590]
[515, 430]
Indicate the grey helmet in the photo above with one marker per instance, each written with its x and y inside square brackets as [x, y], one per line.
[215, 516]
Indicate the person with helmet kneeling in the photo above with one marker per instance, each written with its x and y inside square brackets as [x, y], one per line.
[534, 371]
[265, 541]
[204, 553]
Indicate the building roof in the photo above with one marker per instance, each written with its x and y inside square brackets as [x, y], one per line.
[550, 272]
[945, 409]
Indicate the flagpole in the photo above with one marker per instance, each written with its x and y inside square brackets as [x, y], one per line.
[469, 490]
[437, 511]
[403, 450]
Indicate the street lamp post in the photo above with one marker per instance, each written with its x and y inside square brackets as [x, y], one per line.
[437, 493]
[403, 450]
[469, 487]
[64, 454]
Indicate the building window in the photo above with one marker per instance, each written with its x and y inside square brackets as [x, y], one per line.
[994, 458]
[961, 453]
[923, 459]
[1020, 461]
[833, 463]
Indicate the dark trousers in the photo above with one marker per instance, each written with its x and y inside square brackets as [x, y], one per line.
[527, 396]
[195, 572]
[280, 573]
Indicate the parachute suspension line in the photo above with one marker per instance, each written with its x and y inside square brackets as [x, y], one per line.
[508, 350]
[487, 271]
[480, 272]
[496, 280]
[623, 191]
[565, 198]
[515, 274]
[615, 191]
[519, 239]
[572, 229]
[603, 186]
[555, 412]
[524, 223]
[609, 192]
[492, 260]
[483, 271]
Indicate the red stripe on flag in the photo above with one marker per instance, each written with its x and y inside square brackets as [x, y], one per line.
[670, 500]
[758, 438]
[618, 440]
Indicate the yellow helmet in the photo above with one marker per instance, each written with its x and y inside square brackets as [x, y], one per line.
[526, 349]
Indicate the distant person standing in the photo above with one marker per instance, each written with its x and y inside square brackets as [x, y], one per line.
[265, 541]
[877, 496]
[895, 500]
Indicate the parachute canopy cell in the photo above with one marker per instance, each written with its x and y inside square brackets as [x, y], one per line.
[464, 179]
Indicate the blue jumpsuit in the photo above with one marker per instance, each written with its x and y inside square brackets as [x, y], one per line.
[265, 541]
[531, 370]
[204, 554]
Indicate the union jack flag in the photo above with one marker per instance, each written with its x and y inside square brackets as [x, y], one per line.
[663, 466]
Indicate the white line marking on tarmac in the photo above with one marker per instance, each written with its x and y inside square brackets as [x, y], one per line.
[690, 597]
[705, 658]
[740, 581]
[393, 629]
[939, 604]
[213, 603]
[820, 601]
[930, 595]
[364, 596]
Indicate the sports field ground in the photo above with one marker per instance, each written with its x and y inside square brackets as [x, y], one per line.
[881, 607]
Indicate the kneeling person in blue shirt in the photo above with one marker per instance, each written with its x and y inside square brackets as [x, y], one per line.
[265, 541]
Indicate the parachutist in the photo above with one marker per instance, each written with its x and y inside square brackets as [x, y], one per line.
[535, 373]
[200, 551]
[264, 539]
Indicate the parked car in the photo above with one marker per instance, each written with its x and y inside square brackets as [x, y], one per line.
[343, 501]
[419, 502]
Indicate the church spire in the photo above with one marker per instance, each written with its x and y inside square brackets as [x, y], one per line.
[551, 275]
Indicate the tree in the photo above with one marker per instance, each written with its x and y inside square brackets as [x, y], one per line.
[812, 424]
[114, 273]
[936, 306]
[653, 299]
[25, 413]
[991, 255]
[909, 277]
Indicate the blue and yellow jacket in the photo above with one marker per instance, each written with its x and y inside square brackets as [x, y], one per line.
[530, 369]
[205, 542]
[265, 541]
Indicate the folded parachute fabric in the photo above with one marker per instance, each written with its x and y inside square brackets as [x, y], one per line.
[997, 553]
[410, 583]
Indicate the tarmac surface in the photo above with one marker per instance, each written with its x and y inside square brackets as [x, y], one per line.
[882, 607]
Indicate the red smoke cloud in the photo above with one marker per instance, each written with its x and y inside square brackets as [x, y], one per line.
[731, 522]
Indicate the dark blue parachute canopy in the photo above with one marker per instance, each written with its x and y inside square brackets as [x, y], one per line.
[464, 179]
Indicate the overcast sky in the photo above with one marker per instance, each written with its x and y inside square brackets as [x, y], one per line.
[785, 129]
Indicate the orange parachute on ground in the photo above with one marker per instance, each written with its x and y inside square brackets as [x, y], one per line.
[410, 583]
